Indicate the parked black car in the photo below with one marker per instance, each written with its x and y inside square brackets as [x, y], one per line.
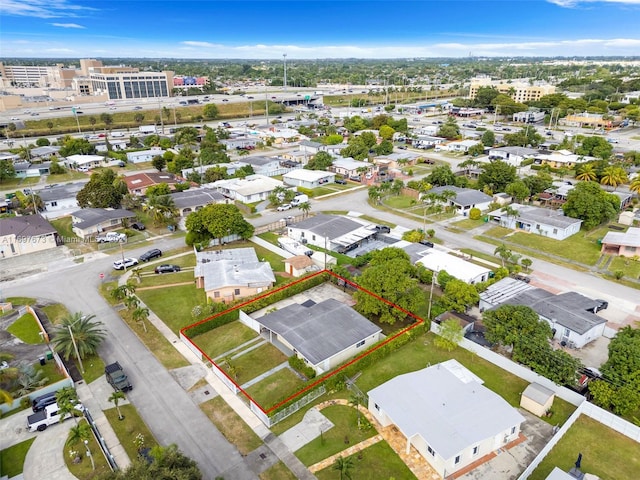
[43, 401]
[382, 229]
[167, 268]
[426, 243]
[138, 226]
[341, 181]
[150, 255]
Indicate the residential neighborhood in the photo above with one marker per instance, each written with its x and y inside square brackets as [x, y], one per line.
[274, 269]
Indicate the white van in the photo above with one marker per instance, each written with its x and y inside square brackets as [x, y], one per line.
[117, 134]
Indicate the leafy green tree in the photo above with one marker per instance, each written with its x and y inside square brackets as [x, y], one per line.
[162, 208]
[512, 325]
[121, 292]
[506, 105]
[538, 183]
[595, 147]
[386, 132]
[87, 333]
[159, 189]
[485, 96]
[413, 236]
[107, 119]
[476, 150]
[305, 207]
[334, 139]
[76, 146]
[503, 252]
[441, 176]
[104, 190]
[523, 137]
[43, 142]
[217, 221]
[450, 336]
[138, 118]
[488, 138]
[7, 170]
[590, 203]
[384, 148]
[388, 276]
[526, 263]
[459, 295]
[159, 163]
[449, 129]
[496, 175]
[518, 190]
[320, 161]
[210, 111]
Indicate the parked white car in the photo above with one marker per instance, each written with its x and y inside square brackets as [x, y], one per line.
[284, 207]
[127, 263]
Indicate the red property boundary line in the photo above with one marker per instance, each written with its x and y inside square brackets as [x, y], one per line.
[419, 321]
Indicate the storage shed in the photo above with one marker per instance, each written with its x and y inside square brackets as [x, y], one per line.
[537, 399]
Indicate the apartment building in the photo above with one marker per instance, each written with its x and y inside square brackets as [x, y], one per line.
[518, 91]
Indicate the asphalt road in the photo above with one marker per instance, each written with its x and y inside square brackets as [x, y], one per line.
[163, 404]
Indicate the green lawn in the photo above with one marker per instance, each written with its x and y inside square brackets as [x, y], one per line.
[277, 472]
[63, 227]
[234, 429]
[275, 388]
[468, 224]
[26, 329]
[255, 362]
[93, 368]
[174, 304]
[21, 300]
[606, 453]
[83, 470]
[56, 312]
[222, 339]
[484, 256]
[582, 247]
[345, 421]
[50, 371]
[631, 268]
[377, 461]
[12, 458]
[157, 343]
[400, 201]
[127, 429]
[154, 280]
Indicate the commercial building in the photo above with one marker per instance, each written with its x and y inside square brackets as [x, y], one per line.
[520, 92]
[132, 84]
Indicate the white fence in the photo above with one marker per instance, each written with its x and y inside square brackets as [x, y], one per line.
[217, 371]
[191, 346]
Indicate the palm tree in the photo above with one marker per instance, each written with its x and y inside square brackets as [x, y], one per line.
[29, 379]
[510, 212]
[305, 207]
[587, 172]
[354, 400]
[162, 208]
[344, 466]
[67, 398]
[526, 263]
[503, 252]
[635, 185]
[137, 272]
[87, 334]
[131, 302]
[81, 433]
[123, 291]
[613, 176]
[115, 398]
[140, 314]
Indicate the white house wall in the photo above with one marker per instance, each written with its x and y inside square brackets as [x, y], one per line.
[346, 354]
[249, 322]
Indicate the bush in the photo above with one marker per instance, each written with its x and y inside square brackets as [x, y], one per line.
[475, 214]
[299, 366]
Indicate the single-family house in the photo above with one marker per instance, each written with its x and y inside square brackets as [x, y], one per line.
[465, 198]
[138, 183]
[142, 156]
[462, 146]
[438, 261]
[308, 178]
[447, 414]
[351, 168]
[226, 275]
[332, 232]
[542, 221]
[297, 156]
[324, 335]
[231, 168]
[427, 141]
[512, 155]
[501, 291]
[84, 163]
[26, 234]
[569, 314]
[44, 153]
[253, 188]
[60, 200]
[560, 159]
[283, 137]
[310, 147]
[625, 244]
[267, 166]
[240, 142]
[28, 169]
[194, 199]
[398, 159]
[88, 222]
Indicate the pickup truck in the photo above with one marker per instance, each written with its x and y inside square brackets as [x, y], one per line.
[41, 420]
[111, 237]
[117, 378]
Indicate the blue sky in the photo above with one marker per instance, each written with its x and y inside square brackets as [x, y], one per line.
[318, 29]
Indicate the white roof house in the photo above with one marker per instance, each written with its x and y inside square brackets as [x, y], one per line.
[349, 167]
[88, 161]
[253, 188]
[446, 414]
[468, 272]
[542, 221]
[307, 178]
[461, 145]
[465, 198]
[144, 155]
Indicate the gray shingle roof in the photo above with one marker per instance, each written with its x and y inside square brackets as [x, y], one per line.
[93, 216]
[538, 393]
[545, 216]
[26, 226]
[67, 190]
[196, 197]
[464, 196]
[567, 309]
[451, 412]
[319, 331]
[331, 226]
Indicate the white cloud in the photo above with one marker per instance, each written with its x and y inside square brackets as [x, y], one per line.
[67, 25]
[574, 3]
[43, 8]
[192, 43]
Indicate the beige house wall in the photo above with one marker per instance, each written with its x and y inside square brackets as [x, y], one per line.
[12, 246]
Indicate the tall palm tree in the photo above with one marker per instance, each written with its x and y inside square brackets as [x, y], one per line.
[115, 398]
[634, 186]
[305, 207]
[87, 333]
[613, 176]
[343, 466]
[162, 209]
[503, 252]
[131, 302]
[140, 314]
[123, 291]
[81, 434]
[587, 172]
[67, 399]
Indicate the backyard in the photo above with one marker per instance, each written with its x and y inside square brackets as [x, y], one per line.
[605, 452]
[219, 341]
